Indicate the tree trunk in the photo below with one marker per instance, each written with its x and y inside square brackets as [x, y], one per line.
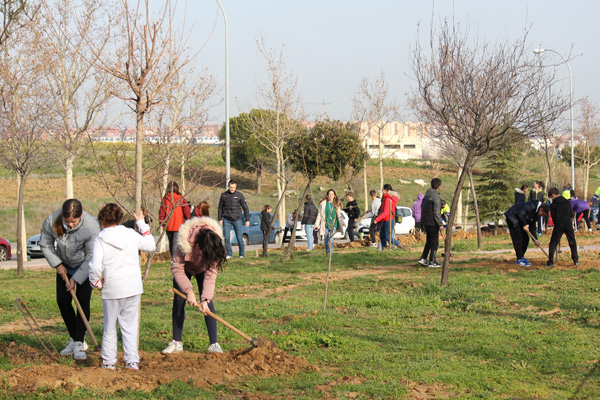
[292, 242]
[459, 210]
[586, 180]
[448, 241]
[476, 206]
[380, 159]
[69, 175]
[259, 179]
[266, 241]
[21, 245]
[139, 138]
[182, 168]
[367, 197]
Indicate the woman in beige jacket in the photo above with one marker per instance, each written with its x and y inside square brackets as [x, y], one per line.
[329, 221]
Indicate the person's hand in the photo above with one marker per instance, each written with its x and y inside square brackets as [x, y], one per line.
[204, 306]
[301, 226]
[526, 228]
[139, 216]
[70, 284]
[221, 222]
[62, 271]
[537, 243]
[442, 228]
[247, 224]
[191, 299]
[316, 228]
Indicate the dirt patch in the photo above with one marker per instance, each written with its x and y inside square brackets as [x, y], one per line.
[199, 370]
[21, 325]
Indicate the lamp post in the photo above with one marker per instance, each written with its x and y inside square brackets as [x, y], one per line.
[538, 51]
[227, 142]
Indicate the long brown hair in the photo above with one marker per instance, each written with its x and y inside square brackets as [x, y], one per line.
[204, 208]
[71, 208]
[172, 187]
[336, 201]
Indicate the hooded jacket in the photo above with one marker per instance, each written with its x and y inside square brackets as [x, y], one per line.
[562, 212]
[520, 196]
[116, 259]
[310, 213]
[187, 256]
[388, 206]
[524, 214]
[431, 208]
[416, 208]
[180, 214]
[74, 248]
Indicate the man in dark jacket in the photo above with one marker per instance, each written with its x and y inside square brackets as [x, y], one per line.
[309, 217]
[353, 213]
[521, 219]
[431, 220]
[231, 204]
[562, 214]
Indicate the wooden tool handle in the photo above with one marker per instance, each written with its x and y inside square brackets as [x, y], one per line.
[81, 313]
[540, 246]
[221, 320]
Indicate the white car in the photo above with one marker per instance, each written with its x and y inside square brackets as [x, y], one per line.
[402, 228]
[301, 233]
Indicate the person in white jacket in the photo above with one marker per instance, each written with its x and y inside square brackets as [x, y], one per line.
[115, 268]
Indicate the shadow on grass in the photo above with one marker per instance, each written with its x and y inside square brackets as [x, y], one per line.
[584, 380]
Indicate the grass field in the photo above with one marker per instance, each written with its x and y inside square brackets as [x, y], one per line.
[389, 331]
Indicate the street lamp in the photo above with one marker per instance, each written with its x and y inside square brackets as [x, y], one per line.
[538, 51]
[227, 143]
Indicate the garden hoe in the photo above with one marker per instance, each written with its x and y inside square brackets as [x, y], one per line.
[255, 342]
[540, 246]
[83, 317]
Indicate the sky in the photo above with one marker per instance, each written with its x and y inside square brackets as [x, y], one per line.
[331, 45]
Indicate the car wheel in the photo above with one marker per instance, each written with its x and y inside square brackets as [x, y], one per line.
[245, 239]
[3, 253]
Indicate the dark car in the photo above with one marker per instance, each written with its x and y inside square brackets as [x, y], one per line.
[252, 234]
[5, 252]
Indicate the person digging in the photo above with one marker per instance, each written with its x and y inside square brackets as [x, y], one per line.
[562, 215]
[521, 219]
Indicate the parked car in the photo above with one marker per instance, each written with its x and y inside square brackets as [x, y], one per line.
[594, 210]
[301, 233]
[400, 228]
[5, 252]
[33, 247]
[252, 234]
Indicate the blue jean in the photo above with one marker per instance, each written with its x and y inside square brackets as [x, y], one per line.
[237, 227]
[309, 229]
[328, 239]
[384, 235]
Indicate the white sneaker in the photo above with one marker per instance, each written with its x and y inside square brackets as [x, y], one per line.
[373, 244]
[228, 257]
[68, 350]
[215, 348]
[423, 262]
[79, 351]
[109, 366]
[132, 365]
[173, 347]
[241, 256]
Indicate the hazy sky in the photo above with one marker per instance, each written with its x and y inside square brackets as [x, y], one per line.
[332, 44]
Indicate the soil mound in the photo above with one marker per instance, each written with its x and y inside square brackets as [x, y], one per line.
[199, 370]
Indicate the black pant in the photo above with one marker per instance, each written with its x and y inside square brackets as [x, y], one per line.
[285, 232]
[557, 233]
[586, 217]
[171, 237]
[179, 312]
[73, 320]
[520, 239]
[373, 230]
[418, 227]
[316, 237]
[350, 229]
[432, 243]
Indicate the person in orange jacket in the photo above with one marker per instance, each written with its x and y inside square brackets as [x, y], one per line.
[387, 216]
[174, 211]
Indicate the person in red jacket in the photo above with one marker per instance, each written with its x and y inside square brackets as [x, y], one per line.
[174, 211]
[387, 216]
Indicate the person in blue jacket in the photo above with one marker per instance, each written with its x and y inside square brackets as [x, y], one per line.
[521, 194]
[521, 220]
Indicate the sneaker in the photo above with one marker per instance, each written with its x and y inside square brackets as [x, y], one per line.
[549, 264]
[173, 347]
[79, 351]
[68, 350]
[423, 262]
[589, 230]
[577, 263]
[434, 264]
[132, 365]
[228, 257]
[215, 348]
[241, 256]
[523, 262]
[109, 366]
[373, 244]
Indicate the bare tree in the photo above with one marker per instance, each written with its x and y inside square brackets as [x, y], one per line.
[15, 15]
[372, 104]
[78, 90]
[278, 120]
[481, 95]
[154, 52]
[23, 121]
[587, 152]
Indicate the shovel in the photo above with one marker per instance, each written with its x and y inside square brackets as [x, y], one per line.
[81, 313]
[540, 246]
[253, 341]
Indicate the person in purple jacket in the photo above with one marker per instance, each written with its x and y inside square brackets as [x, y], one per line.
[416, 211]
[581, 207]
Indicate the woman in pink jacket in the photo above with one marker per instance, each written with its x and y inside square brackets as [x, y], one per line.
[200, 252]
